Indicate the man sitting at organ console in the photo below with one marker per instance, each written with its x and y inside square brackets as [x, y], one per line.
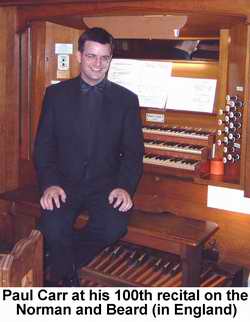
[88, 153]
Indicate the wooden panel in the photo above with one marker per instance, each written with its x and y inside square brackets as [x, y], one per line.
[222, 69]
[9, 93]
[237, 58]
[25, 95]
[59, 34]
[27, 173]
[38, 2]
[204, 7]
[202, 121]
[37, 85]
[171, 189]
[75, 21]
[195, 69]
[222, 79]
[200, 26]
[246, 123]
[222, 6]
[236, 78]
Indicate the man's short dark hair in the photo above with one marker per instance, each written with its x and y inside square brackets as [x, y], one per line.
[96, 34]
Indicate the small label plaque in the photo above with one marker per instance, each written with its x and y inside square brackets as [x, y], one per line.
[62, 74]
[63, 49]
[154, 117]
[239, 88]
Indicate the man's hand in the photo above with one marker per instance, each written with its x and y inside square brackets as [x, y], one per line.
[121, 199]
[50, 194]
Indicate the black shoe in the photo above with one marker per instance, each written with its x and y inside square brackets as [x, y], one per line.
[71, 280]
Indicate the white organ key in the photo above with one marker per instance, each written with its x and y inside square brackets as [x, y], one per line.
[170, 162]
[176, 132]
[171, 147]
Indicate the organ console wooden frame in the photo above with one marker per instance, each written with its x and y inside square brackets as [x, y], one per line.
[227, 30]
[29, 31]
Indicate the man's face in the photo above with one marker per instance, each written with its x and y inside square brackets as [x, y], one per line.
[94, 61]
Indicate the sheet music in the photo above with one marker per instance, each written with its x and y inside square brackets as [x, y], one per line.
[148, 79]
[191, 94]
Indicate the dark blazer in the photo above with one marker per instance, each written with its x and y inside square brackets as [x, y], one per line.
[116, 150]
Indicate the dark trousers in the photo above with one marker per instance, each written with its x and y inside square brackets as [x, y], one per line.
[68, 247]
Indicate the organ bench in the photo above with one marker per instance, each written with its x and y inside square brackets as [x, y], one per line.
[169, 244]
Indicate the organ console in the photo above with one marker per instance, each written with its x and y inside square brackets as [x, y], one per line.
[178, 149]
